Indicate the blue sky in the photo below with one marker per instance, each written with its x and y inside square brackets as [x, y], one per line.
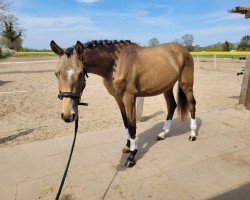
[67, 21]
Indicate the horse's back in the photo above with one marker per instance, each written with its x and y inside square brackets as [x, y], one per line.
[169, 51]
[158, 68]
[150, 70]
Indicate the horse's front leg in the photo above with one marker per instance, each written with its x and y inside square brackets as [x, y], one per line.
[129, 103]
[124, 118]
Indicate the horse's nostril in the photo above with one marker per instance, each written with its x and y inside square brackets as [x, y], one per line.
[73, 116]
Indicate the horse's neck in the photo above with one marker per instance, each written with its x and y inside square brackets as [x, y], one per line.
[100, 62]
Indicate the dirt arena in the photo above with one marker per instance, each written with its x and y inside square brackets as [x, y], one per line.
[30, 110]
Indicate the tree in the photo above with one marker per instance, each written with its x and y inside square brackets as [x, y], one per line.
[5, 6]
[177, 41]
[244, 43]
[11, 34]
[226, 46]
[153, 42]
[187, 41]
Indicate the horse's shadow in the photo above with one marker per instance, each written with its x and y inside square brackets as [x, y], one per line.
[147, 138]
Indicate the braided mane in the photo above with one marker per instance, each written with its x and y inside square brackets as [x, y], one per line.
[99, 43]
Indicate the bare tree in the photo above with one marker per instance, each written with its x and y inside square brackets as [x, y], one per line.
[153, 42]
[5, 5]
[187, 41]
[177, 41]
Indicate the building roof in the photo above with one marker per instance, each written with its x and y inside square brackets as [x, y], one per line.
[241, 10]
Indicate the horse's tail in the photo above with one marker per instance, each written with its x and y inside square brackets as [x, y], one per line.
[182, 104]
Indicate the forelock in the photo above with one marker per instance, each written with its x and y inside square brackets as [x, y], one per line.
[69, 51]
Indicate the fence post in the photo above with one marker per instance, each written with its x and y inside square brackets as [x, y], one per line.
[215, 64]
[139, 108]
[245, 82]
[248, 94]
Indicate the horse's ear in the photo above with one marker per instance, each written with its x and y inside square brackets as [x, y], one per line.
[57, 50]
[79, 48]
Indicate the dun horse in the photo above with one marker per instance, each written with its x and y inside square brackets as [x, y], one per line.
[129, 71]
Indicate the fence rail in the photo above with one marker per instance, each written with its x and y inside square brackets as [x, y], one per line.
[221, 54]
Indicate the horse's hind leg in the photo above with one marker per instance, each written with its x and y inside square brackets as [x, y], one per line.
[188, 91]
[185, 95]
[192, 109]
[171, 105]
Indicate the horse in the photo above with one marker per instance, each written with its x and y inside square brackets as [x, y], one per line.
[129, 71]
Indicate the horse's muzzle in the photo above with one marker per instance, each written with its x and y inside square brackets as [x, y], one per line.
[69, 118]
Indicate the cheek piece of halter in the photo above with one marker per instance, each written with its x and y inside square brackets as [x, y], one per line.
[73, 95]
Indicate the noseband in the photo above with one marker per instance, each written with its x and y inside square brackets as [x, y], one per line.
[72, 95]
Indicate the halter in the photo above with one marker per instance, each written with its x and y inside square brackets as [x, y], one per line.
[73, 95]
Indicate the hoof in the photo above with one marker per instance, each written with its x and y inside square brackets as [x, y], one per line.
[158, 138]
[192, 138]
[129, 163]
[126, 150]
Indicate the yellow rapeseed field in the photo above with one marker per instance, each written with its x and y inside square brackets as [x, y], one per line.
[35, 53]
[203, 53]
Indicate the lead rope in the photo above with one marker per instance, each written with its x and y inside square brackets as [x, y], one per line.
[67, 166]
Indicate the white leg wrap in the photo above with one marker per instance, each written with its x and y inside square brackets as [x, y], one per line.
[167, 125]
[193, 124]
[193, 127]
[127, 134]
[133, 144]
[166, 128]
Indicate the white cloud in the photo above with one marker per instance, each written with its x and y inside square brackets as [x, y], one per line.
[133, 17]
[64, 23]
[220, 30]
[87, 1]
[65, 30]
[220, 16]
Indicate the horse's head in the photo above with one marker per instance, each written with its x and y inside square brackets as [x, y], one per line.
[70, 73]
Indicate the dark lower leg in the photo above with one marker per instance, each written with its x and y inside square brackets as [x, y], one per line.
[192, 109]
[191, 105]
[171, 104]
[125, 122]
